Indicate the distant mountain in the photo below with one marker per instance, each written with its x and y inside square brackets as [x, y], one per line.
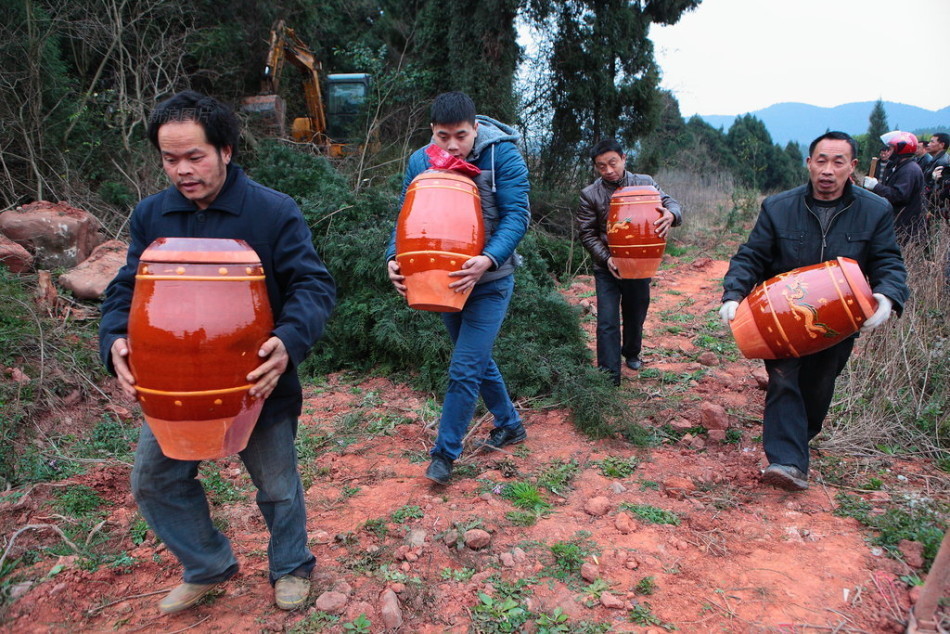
[801, 122]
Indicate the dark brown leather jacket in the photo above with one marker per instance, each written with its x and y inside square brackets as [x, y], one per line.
[594, 204]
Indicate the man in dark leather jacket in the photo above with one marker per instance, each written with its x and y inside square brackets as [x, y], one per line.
[819, 221]
[902, 185]
[617, 297]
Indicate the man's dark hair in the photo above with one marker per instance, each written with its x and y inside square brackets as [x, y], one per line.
[603, 146]
[222, 127]
[943, 137]
[452, 107]
[835, 135]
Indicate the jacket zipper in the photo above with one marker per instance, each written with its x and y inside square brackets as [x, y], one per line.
[824, 231]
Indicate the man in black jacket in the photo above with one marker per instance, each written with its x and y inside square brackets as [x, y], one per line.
[210, 197]
[902, 185]
[819, 221]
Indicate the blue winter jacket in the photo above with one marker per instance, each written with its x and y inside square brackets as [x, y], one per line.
[503, 187]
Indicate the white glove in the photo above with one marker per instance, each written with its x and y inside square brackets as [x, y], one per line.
[870, 182]
[883, 312]
[728, 311]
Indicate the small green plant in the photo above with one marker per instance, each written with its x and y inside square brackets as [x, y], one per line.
[394, 575]
[406, 512]
[378, 527]
[645, 586]
[733, 436]
[652, 514]
[570, 555]
[79, 501]
[359, 625]
[500, 615]
[553, 623]
[642, 615]
[651, 485]
[616, 467]
[349, 492]
[219, 489]
[456, 574]
[594, 590]
[558, 476]
[314, 622]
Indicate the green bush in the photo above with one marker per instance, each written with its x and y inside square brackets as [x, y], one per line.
[540, 350]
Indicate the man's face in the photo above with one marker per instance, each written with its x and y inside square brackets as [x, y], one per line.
[935, 146]
[610, 166]
[194, 166]
[886, 152]
[921, 148]
[455, 138]
[829, 168]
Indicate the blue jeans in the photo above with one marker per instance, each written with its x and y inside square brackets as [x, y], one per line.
[173, 503]
[797, 401]
[628, 299]
[472, 370]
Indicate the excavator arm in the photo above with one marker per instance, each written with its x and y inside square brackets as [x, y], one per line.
[285, 45]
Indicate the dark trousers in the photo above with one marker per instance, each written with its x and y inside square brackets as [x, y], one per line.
[626, 300]
[797, 401]
[173, 502]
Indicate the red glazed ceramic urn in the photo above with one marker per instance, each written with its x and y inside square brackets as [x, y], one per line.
[803, 311]
[199, 315]
[440, 227]
[631, 236]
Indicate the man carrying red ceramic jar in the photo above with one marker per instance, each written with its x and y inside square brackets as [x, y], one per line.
[502, 180]
[616, 297]
[822, 220]
[211, 197]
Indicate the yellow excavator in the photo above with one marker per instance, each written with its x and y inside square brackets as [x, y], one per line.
[334, 125]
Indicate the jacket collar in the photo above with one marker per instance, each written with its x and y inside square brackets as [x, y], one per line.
[624, 181]
[229, 199]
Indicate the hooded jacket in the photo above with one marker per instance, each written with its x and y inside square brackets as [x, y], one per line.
[788, 235]
[503, 187]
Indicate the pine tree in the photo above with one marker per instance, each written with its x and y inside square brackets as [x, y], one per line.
[604, 78]
[877, 125]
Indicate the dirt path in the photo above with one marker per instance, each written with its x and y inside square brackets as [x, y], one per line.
[734, 556]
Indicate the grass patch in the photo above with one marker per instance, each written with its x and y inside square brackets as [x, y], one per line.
[651, 514]
[616, 467]
[916, 520]
[558, 476]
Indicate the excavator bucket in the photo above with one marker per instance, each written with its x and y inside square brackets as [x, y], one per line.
[266, 114]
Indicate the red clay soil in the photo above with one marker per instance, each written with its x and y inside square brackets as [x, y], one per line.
[743, 558]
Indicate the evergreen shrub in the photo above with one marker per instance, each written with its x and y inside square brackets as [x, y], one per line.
[540, 350]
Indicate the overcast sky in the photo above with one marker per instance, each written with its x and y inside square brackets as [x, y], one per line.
[736, 56]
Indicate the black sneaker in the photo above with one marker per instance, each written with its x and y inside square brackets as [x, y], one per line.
[440, 469]
[502, 436]
[634, 363]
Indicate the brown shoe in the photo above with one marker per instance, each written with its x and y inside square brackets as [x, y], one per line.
[291, 592]
[184, 596]
[785, 477]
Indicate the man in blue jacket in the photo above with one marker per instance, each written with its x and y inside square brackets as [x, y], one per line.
[503, 187]
[211, 197]
[819, 221]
